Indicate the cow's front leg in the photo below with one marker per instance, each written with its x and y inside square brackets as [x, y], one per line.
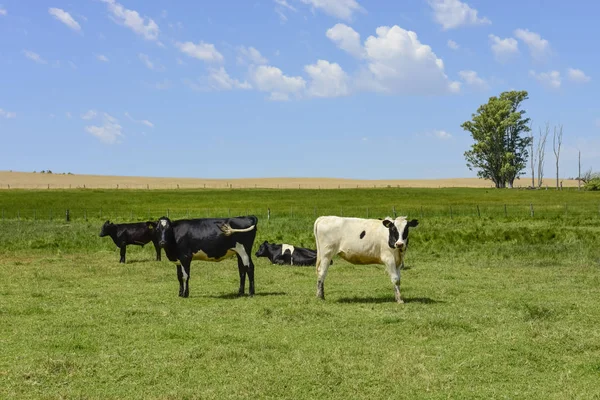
[123, 251]
[394, 272]
[157, 248]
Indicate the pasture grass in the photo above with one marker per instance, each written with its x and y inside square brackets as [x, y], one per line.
[495, 308]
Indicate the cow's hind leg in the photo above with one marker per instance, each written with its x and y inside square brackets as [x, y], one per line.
[323, 263]
[185, 275]
[180, 278]
[245, 266]
[123, 251]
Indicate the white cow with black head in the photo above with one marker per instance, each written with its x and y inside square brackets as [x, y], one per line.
[362, 241]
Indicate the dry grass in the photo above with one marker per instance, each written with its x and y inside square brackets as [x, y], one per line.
[28, 180]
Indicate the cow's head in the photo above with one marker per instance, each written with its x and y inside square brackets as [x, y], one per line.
[263, 250]
[398, 231]
[107, 228]
[164, 231]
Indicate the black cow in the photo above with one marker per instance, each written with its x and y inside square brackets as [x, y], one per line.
[286, 254]
[208, 239]
[138, 233]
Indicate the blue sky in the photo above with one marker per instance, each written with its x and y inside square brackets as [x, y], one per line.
[298, 88]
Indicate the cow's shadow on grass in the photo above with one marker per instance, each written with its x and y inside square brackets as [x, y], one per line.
[235, 295]
[387, 299]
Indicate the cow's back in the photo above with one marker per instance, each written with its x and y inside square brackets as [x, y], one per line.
[357, 240]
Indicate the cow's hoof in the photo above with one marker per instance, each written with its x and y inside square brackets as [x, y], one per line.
[399, 301]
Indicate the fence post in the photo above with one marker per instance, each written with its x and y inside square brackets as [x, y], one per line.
[394, 211]
[531, 208]
[478, 213]
[67, 215]
[505, 213]
[229, 212]
[167, 213]
[268, 214]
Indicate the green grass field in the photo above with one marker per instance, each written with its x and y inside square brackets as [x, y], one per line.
[497, 306]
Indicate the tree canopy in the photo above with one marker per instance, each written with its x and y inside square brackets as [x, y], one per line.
[499, 130]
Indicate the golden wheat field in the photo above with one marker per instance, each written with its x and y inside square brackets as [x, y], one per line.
[30, 180]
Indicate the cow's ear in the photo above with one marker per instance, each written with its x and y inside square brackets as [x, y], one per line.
[413, 223]
[387, 223]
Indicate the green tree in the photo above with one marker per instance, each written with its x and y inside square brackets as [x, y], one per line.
[499, 130]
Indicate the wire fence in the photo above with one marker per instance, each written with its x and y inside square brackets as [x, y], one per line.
[121, 215]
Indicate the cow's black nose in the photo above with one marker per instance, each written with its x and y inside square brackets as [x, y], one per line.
[162, 243]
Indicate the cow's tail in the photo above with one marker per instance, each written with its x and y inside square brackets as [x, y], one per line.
[318, 261]
[228, 230]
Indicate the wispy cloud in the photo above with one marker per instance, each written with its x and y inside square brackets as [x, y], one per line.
[90, 114]
[578, 76]
[451, 14]
[143, 26]
[7, 114]
[109, 132]
[3, 11]
[149, 64]
[65, 18]
[101, 57]
[202, 51]
[34, 57]
[140, 121]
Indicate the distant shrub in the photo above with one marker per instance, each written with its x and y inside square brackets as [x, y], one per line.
[593, 184]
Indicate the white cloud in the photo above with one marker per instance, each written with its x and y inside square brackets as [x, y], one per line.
[3, 11]
[346, 39]
[285, 4]
[34, 57]
[451, 14]
[399, 63]
[219, 79]
[69, 115]
[202, 51]
[90, 114]
[249, 55]
[472, 79]
[549, 79]
[101, 57]
[164, 85]
[149, 64]
[140, 121]
[327, 80]
[271, 79]
[453, 45]
[577, 75]
[109, 132]
[538, 47]
[503, 48]
[342, 9]
[7, 114]
[143, 26]
[65, 18]
[442, 134]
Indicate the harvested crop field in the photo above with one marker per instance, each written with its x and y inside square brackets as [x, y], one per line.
[29, 180]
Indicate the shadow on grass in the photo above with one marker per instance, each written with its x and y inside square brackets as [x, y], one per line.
[140, 261]
[388, 299]
[235, 295]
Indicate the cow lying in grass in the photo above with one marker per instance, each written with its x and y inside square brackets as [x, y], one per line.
[286, 254]
[208, 239]
[139, 233]
[362, 241]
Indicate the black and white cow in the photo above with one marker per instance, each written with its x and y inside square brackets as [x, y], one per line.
[286, 254]
[138, 233]
[208, 239]
[362, 241]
